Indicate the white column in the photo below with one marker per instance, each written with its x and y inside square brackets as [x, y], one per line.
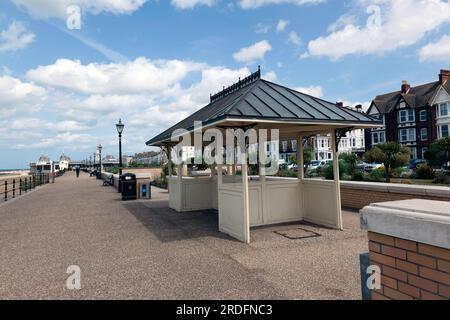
[300, 160]
[337, 186]
[245, 197]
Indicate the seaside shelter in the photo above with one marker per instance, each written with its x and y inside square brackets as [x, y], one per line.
[245, 201]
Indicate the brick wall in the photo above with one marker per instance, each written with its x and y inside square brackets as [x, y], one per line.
[409, 270]
[358, 195]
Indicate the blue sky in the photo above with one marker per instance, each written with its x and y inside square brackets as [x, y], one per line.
[154, 62]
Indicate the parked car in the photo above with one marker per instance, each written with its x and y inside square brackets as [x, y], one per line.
[316, 164]
[415, 163]
[292, 166]
[369, 167]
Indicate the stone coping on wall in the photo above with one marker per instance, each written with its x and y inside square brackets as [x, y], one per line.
[422, 190]
[419, 220]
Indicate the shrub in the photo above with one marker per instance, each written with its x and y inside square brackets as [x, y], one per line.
[424, 171]
[357, 176]
[397, 172]
[329, 174]
[375, 176]
[441, 178]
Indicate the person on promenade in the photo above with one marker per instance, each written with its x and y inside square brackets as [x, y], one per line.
[77, 169]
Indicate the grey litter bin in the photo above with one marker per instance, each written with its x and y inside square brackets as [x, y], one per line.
[128, 186]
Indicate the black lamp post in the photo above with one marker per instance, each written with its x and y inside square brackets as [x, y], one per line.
[119, 127]
[94, 160]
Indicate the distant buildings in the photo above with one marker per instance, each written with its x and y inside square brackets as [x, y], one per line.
[413, 116]
[150, 158]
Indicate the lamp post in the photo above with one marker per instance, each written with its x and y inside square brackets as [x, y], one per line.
[99, 148]
[119, 127]
[94, 160]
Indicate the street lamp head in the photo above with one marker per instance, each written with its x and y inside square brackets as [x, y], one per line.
[120, 126]
[99, 148]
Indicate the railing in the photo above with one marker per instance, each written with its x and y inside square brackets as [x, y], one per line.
[14, 187]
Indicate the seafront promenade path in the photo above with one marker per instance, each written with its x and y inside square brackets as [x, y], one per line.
[142, 249]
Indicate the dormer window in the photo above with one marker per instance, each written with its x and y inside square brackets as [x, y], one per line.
[406, 116]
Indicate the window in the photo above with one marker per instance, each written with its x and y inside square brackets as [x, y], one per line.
[423, 115]
[443, 131]
[443, 109]
[424, 134]
[408, 135]
[406, 116]
[294, 145]
[284, 146]
[378, 137]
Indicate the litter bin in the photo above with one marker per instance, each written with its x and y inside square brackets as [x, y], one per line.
[128, 186]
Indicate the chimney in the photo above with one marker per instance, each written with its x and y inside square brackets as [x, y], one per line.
[358, 107]
[405, 86]
[340, 104]
[444, 76]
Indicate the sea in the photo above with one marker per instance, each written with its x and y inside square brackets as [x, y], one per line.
[13, 172]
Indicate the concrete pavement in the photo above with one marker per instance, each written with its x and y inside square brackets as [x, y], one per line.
[143, 250]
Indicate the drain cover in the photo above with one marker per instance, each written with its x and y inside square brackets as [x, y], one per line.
[297, 233]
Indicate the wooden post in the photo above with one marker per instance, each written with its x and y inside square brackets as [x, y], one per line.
[169, 160]
[337, 186]
[245, 197]
[219, 175]
[300, 159]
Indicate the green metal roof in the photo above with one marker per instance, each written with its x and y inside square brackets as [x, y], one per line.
[257, 99]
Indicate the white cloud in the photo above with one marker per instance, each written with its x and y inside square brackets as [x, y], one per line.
[252, 4]
[294, 38]
[262, 28]
[15, 37]
[315, 91]
[14, 91]
[436, 51]
[270, 76]
[254, 52]
[57, 9]
[78, 97]
[343, 20]
[189, 4]
[402, 23]
[282, 24]
[140, 75]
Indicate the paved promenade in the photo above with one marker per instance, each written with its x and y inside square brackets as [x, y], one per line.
[143, 250]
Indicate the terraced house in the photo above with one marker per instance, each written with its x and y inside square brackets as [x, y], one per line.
[413, 116]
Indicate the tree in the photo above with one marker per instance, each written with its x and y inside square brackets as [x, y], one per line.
[391, 154]
[351, 159]
[307, 157]
[439, 152]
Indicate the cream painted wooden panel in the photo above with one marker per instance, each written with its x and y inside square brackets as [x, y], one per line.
[255, 199]
[231, 216]
[214, 194]
[174, 196]
[283, 203]
[319, 203]
[197, 194]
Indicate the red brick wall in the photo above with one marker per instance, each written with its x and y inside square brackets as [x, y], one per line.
[409, 270]
[359, 198]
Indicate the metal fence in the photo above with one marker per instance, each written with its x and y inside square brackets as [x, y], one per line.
[14, 187]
